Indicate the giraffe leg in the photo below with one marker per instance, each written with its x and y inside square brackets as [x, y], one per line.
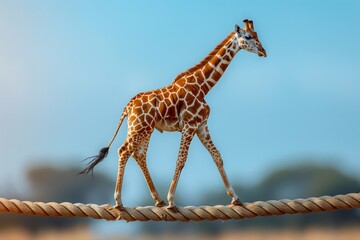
[124, 154]
[130, 145]
[140, 157]
[204, 136]
[187, 135]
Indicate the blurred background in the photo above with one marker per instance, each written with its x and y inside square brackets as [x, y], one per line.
[287, 125]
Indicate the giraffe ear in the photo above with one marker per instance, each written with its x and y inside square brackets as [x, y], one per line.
[237, 28]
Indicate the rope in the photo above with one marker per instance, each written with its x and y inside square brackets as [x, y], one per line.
[184, 214]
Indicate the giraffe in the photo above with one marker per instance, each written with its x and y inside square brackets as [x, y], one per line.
[180, 106]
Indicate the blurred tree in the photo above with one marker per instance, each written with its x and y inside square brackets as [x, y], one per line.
[48, 183]
[309, 180]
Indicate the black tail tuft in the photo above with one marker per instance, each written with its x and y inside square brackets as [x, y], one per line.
[95, 160]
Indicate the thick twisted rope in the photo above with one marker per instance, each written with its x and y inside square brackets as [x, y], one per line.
[184, 214]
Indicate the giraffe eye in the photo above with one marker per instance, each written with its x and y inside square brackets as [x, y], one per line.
[247, 37]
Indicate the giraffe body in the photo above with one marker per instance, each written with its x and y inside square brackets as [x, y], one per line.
[180, 106]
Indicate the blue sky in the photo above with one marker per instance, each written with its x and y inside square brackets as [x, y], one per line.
[67, 69]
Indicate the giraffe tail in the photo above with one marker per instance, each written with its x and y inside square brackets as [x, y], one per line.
[104, 151]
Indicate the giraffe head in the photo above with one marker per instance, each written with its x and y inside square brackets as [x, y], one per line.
[247, 38]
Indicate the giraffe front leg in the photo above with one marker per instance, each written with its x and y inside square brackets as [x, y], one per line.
[205, 138]
[187, 135]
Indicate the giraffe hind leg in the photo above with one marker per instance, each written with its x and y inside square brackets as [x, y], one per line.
[140, 157]
[130, 145]
[124, 154]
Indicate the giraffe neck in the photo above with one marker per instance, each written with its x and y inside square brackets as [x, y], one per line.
[200, 78]
[216, 66]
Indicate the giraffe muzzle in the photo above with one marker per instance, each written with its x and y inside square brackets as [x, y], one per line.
[262, 53]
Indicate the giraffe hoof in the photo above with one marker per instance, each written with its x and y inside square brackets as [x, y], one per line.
[160, 204]
[236, 202]
[119, 207]
[172, 208]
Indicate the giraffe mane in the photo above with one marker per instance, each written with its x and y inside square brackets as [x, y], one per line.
[206, 59]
